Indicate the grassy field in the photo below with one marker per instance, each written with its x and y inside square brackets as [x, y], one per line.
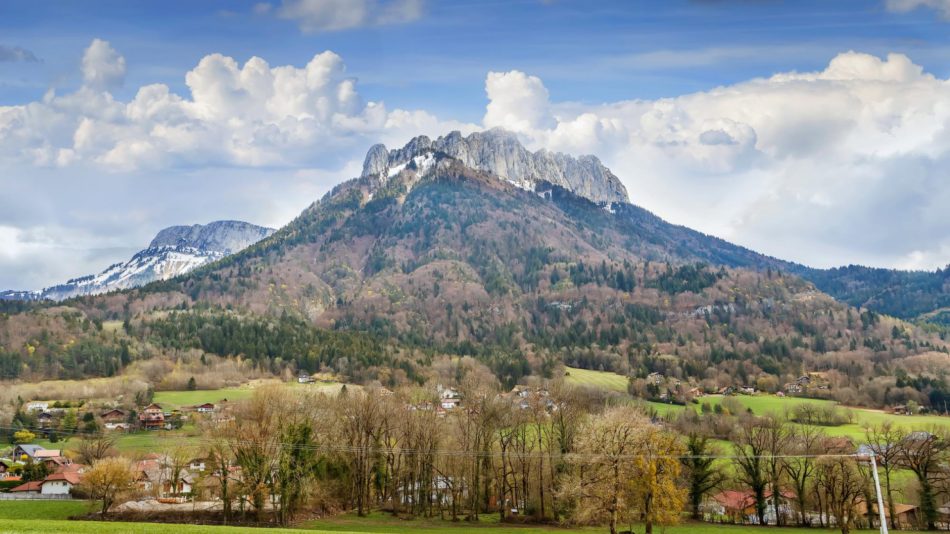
[600, 379]
[766, 404]
[180, 399]
[42, 509]
[52, 517]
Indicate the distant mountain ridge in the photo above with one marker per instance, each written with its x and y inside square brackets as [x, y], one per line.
[174, 251]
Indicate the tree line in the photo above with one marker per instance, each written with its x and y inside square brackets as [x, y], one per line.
[549, 452]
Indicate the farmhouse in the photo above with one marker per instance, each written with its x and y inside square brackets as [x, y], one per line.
[115, 419]
[905, 514]
[5, 465]
[53, 458]
[205, 408]
[152, 417]
[59, 483]
[739, 506]
[37, 406]
[29, 488]
[45, 420]
[27, 450]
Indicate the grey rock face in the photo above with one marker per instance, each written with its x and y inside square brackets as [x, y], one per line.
[499, 152]
[226, 237]
[174, 251]
[377, 159]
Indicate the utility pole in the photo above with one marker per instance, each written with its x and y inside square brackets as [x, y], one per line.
[877, 488]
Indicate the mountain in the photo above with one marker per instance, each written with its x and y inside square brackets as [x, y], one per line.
[922, 295]
[500, 153]
[174, 251]
[517, 259]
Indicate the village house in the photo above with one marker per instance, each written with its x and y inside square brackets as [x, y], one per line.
[53, 458]
[304, 378]
[197, 464]
[449, 398]
[792, 388]
[45, 420]
[738, 506]
[205, 408]
[5, 465]
[28, 450]
[152, 417]
[59, 483]
[905, 514]
[154, 476]
[37, 406]
[115, 419]
[28, 488]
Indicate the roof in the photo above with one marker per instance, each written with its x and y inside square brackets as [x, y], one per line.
[29, 486]
[71, 468]
[205, 405]
[154, 405]
[740, 500]
[114, 411]
[30, 448]
[48, 453]
[72, 478]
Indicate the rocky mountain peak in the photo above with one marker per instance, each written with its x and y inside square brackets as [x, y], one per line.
[499, 152]
[226, 237]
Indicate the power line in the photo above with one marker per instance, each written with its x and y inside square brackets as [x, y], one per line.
[382, 449]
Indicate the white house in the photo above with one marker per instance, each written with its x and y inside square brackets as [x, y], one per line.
[59, 483]
[37, 406]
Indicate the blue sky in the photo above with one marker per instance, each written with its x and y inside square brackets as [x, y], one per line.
[634, 82]
[585, 51]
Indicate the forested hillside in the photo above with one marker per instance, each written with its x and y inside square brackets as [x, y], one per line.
[382, 275]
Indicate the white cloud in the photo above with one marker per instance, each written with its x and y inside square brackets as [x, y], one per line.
[249, 141]
[332, 15]
[247, 115]
[846, 164]
[102, 66]
[836, 166]
[517, 102]
[903, 6]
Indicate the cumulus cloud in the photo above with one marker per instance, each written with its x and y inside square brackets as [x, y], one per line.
[942, 7]
[835, 166]
[844, 164]
[102, 66]
[333, 15]
[247, 140]
[15, 54]
[250, 114]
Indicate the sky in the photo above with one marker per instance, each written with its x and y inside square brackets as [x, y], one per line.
[814, 131]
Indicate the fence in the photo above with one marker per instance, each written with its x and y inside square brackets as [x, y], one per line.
[33, 497]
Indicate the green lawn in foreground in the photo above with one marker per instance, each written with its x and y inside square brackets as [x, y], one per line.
[602, 379]
[23, 516]
[42, 509]
[34, 526]
[381, 523]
